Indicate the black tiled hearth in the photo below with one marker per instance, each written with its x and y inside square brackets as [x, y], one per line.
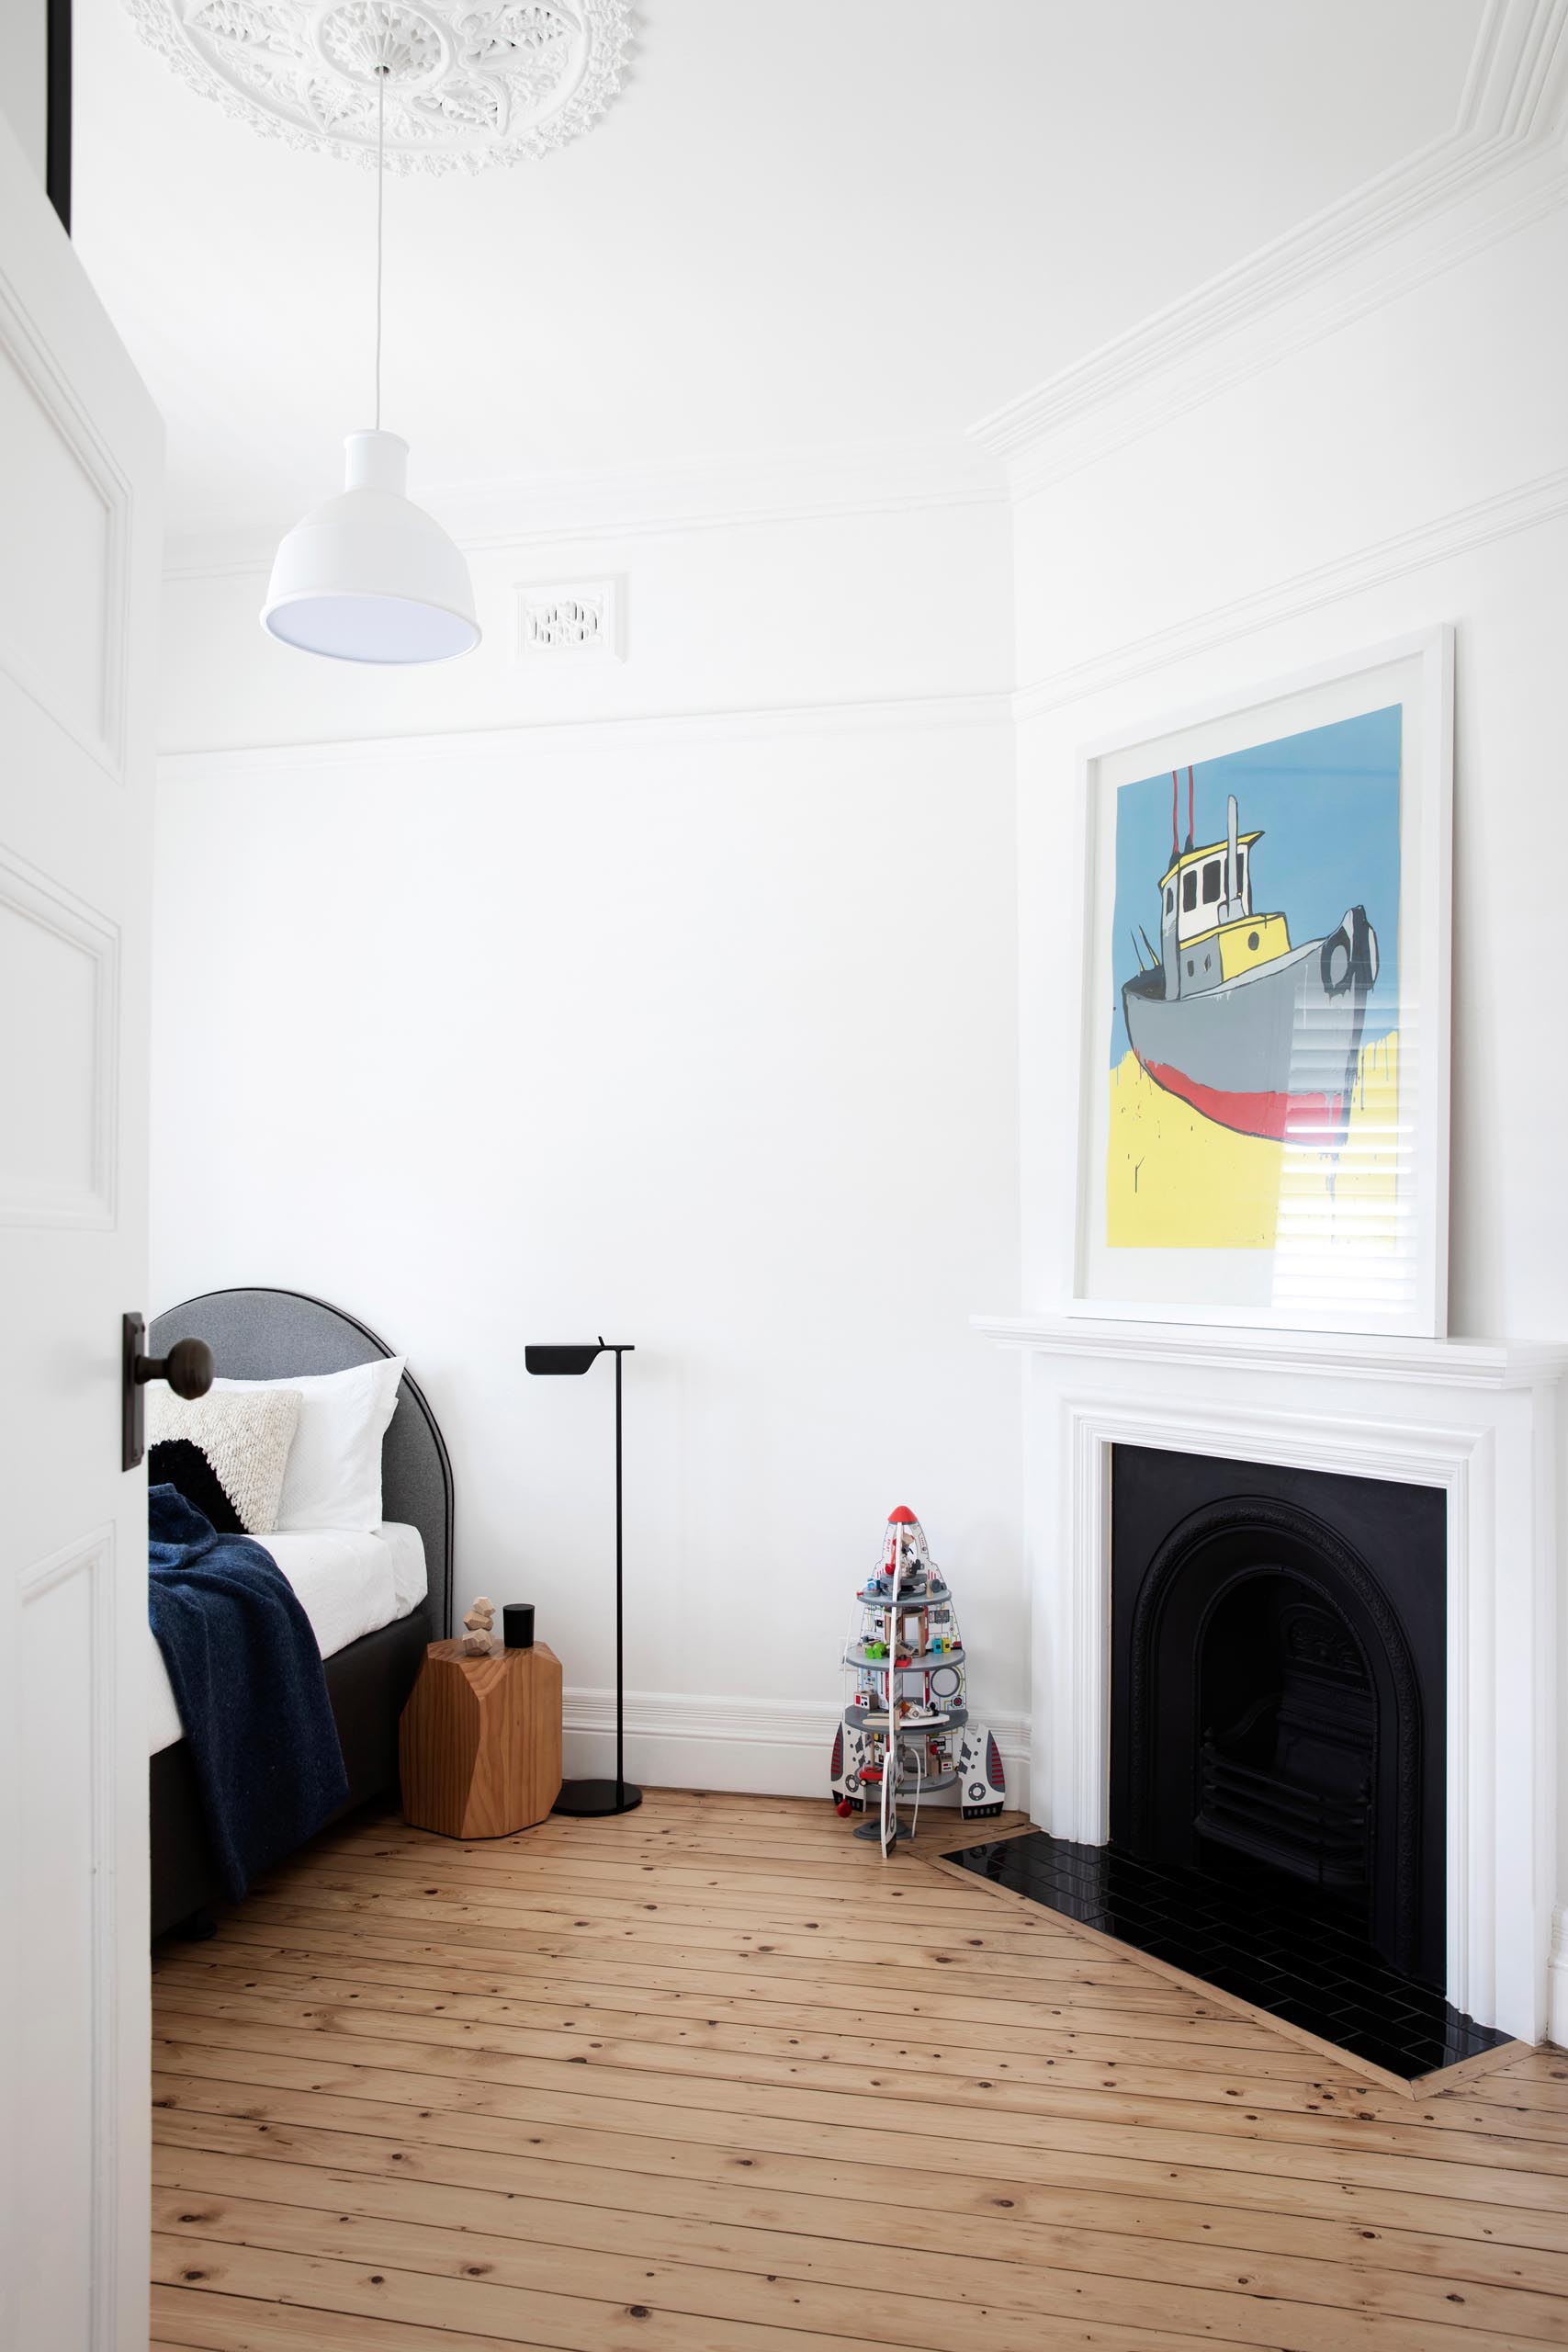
[1242, 1935]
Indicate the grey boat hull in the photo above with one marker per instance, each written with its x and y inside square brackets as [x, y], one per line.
[1272, 1053]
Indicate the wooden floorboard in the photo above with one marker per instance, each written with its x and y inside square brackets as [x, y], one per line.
[713, 2077]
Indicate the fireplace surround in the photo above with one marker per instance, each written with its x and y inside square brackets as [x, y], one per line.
[1476, 1424]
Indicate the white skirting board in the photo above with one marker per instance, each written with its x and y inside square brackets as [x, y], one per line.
[1557, 1982]
[759, 1748]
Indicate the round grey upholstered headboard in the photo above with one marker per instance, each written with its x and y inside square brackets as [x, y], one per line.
[269, 1334]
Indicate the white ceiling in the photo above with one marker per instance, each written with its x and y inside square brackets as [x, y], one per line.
[829, 223]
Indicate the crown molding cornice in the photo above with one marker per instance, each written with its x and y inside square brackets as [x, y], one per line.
[621, 502]
[1536, 187]
[381, 755]
[1511, 116]
[1503, 164]
[1523, 507]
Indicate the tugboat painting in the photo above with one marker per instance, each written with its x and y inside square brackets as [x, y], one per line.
[1255, 1039]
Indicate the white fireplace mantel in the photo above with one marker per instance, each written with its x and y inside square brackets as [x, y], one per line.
[1448, 1363]
[1479, 1420]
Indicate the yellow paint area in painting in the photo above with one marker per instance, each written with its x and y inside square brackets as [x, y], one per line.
[1209, 849]
[1250, 939]
[1177, 1181]
[1174, 1181]
[1256, 939]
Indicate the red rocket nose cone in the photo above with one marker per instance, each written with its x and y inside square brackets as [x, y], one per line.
[902, 1516]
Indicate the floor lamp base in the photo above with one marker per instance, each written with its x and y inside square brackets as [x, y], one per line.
[585, 1799]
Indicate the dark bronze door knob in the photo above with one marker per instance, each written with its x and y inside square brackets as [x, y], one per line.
[188, 1368]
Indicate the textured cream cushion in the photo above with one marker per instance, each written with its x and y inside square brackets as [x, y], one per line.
[333, 1479]
[243, 1440]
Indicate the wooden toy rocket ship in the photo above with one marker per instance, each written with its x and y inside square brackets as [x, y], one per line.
[907, 1730]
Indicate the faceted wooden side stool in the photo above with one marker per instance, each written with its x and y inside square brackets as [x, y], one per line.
[478, 1746]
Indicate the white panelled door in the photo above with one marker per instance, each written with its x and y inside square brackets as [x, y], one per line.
[81, 466]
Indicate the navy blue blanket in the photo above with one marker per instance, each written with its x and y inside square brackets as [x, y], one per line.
[248, 1682]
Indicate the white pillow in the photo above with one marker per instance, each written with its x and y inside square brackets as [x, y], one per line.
[333, 1474]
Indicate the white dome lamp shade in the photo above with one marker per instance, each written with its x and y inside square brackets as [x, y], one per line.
[368, 576]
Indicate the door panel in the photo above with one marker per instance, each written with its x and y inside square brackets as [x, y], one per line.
[63, 508]
[68, 1861]
[52, 617]
[58, 1066]
[80, 474]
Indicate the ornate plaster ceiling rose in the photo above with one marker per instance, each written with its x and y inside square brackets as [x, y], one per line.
[468, 83]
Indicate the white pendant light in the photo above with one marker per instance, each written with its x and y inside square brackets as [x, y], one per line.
[369, 576]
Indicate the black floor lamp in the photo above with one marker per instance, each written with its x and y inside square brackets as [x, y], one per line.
[588, 1797]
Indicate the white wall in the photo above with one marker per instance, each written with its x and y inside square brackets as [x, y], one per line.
[1402, 471]
[694, 1030]
[1410, 468]
[1368, 460]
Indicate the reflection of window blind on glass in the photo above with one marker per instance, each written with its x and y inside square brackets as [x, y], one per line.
[1345, 1235]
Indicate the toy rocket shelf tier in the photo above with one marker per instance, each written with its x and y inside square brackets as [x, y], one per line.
[873, 1717]
[875, 1592]
[907, 1730]
[907, 1664]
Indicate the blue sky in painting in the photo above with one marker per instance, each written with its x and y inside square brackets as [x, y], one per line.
[1327, 801]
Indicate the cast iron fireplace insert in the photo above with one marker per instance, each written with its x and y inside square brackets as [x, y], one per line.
[1278, 1642]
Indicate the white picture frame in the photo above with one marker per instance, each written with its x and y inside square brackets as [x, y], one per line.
[1359, 1231]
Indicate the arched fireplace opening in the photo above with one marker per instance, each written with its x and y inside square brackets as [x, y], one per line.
[1287, 1772]
[1277, 1694]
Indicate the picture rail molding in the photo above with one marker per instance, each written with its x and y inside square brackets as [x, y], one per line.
[1522, 506]
[383, 754]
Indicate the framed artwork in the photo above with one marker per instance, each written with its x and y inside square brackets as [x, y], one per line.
[1264, 1080]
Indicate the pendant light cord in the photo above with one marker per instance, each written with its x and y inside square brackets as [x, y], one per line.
[381, 72]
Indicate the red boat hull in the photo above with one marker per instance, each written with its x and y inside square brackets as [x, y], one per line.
[1306, 1119]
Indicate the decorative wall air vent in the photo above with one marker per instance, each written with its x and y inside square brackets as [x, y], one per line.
[468, 83]
[577, 620]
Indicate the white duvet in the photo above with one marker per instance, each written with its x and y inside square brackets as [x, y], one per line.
[347, 1585]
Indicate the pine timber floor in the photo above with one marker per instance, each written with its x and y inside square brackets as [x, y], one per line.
[713, 2077]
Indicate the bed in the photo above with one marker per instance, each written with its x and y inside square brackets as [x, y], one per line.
[344, 1581]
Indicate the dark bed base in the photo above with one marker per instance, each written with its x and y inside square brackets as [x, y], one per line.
[367, 1684]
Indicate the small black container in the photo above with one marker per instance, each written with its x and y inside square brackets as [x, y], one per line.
[517, 1623]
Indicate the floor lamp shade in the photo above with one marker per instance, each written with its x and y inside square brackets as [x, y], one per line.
[369, 576]
[561, 1358]
[585, 1797]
